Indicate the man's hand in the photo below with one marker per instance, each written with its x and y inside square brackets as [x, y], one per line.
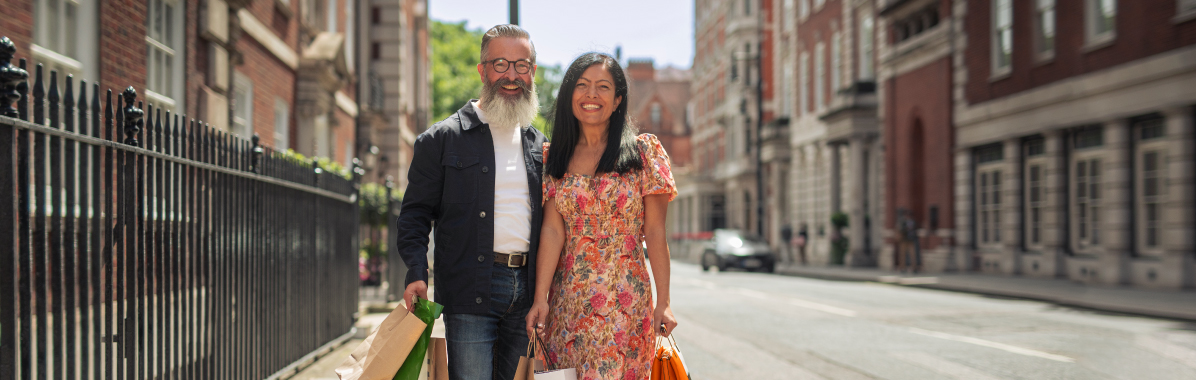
[418, 288]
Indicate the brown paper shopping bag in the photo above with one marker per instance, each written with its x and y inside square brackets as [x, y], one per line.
[381, 354]
[532, 368]
[438, 359]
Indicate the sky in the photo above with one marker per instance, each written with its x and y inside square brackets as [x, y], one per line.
[564, 29]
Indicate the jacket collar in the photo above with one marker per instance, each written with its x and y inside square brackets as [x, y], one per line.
[470, 119]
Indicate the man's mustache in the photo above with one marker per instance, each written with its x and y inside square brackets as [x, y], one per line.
[518, 82]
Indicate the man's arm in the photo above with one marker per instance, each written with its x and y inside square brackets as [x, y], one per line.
[421, 205]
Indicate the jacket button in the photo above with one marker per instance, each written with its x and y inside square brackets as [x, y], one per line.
[481, 258]
[478, 300]
[483, 214]
[458, 164]
[485, 169]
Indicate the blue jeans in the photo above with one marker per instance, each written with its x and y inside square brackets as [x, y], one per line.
[488, 346]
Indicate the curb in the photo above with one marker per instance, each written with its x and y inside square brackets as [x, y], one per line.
[932, 282]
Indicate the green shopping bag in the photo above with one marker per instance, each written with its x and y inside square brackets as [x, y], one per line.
[426, 311]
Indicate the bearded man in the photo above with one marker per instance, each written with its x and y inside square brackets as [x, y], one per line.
[477, 175]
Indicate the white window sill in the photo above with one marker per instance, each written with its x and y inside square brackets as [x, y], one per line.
[1099, 42]
[1184, 16]
[1000, 73]
[1042, 58]
[159, 100]
[46, 54]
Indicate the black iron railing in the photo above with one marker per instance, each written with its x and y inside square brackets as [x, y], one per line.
[141, 244]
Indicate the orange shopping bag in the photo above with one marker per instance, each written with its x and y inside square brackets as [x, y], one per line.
[668, 364]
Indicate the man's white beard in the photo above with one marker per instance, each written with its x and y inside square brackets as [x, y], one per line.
[506, 111]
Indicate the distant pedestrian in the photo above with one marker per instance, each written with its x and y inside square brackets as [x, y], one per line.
[803, 239]
[909, 255]
[476, 175]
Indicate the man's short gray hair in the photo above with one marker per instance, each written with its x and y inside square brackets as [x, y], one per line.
[506, 30]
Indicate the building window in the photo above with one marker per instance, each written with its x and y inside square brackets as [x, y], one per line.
[747, 7]
[1102, 20]
[1035, 202]
[866, 48]
[804, 85]
[242, 124]
[656, 116]
[282, 124]
[1152, 169]
[787, 88]
[819, 75]
[988, 193]
[1002, 36]
[65, 39]
[376, 15]
[1044, 17]
[818, 4]
[56, 20]
[787, 14]
[918, 22]
[836, 61]
[164, 68]
[350, 40]
[1185, 6]
[734, 68]
[1087, 201]
[804, 8]
[330, 25]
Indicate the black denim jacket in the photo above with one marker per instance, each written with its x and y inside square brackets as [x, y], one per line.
[451, 183]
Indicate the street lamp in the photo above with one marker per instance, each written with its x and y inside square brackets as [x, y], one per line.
[514, 12]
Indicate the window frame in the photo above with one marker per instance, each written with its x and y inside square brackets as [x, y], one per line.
[242, 123]
[167, 91]
[1093, 37]
[836, 62]
[819, 76]
[1087, 226]
[989, 203]
[804, 86]
[867, 48]
[1041, 10]
[1143, 147]
[282, 124]
[1002, 56]
[83, 62]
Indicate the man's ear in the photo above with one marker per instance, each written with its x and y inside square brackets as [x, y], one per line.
[482, 72]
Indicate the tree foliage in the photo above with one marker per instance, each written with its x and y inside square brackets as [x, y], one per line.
[455, 78]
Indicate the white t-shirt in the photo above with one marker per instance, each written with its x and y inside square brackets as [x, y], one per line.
[512, 200]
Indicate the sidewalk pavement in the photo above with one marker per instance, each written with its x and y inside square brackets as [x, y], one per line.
[1174, 304]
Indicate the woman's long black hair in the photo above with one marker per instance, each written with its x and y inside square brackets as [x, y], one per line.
[622, 154]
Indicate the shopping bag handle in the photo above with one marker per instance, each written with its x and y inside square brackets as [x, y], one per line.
[548, 363]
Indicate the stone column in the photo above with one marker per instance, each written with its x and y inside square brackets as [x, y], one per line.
[857, 253]
[1179, 241]
[1012, 224]
[1116, 217]
[960, 256]
[836, 179]
[1055, 230]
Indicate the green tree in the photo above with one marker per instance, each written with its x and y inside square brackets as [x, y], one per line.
[454, 67]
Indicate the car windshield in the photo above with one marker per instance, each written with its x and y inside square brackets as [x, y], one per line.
[736, 239]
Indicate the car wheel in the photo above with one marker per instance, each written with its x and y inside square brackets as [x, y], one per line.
[770, 268]
[706, 264]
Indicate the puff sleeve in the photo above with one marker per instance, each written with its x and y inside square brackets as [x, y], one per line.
[657, 177]
[548, 184]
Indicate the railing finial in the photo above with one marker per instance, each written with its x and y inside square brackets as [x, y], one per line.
[10, 77]
[133, 115]
[256, 159]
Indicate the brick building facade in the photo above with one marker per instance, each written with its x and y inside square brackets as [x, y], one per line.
[279, 68]
[1074, 139]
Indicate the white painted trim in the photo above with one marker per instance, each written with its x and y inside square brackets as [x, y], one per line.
[50, 55]
[346, 104]
[266, 37]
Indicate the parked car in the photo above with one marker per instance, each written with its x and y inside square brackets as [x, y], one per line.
[735, 249]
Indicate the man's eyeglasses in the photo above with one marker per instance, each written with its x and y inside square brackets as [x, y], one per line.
[522, 66]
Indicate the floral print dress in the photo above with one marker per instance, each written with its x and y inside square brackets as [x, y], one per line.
[600, 303]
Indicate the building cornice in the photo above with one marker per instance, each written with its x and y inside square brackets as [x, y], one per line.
[263, 35]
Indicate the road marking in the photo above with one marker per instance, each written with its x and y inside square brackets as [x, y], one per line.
[765, 296]
[1184, 355]
[991, 344]
[943, 366]
[755, 363]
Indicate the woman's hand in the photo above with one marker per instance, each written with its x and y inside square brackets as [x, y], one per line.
[663, 316]
[536, 317]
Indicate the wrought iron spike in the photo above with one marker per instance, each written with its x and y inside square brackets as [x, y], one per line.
[132, 117]
[256, 159]
[156, 139]
[10, 78]
[53, 99]
[23, 88]
[68, 104]
[109, 117]
[81, 107]
[95, 110]
[39, 97]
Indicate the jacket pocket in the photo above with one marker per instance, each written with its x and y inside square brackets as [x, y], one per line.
[460, 178]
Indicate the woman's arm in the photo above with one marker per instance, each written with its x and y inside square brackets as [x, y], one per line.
[656, 207]
[552, 241]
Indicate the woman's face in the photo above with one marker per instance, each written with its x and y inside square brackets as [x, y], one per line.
[594, 97]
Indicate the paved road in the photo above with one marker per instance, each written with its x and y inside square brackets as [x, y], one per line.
[739, 325]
